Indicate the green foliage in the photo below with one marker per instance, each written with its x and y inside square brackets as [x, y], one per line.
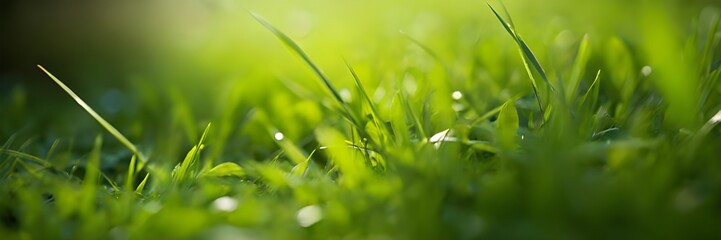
[433, 133]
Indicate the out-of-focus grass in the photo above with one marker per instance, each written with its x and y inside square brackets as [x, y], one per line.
[573, 120]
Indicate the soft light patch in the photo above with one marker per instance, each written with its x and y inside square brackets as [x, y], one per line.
[646, 70]
[309, 215]
[457, 95]
[225, 204]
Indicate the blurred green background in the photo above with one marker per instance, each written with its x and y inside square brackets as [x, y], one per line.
[107, 49]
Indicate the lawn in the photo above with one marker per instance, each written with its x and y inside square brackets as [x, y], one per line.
[360, 120]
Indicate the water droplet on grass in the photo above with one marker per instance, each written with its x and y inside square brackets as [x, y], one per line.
[279, 136]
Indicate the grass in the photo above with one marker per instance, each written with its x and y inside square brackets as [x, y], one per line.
[594, 141]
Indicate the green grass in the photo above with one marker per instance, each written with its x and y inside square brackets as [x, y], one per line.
[601, 136]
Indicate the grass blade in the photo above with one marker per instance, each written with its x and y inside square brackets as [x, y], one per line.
[294, 46]
[579, 65]
[26, 156]
[225, 169]
[188, 167]
[378, 121]
[527, 53]
[123, 140]
[590, 98]
[141, 186]
[131, 173]
[507, 126]
[528, 58]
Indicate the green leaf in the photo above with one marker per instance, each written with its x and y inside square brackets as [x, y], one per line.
[507, 126]
[225, 169]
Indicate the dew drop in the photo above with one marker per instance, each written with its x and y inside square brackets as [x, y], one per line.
[457, 95]
[279, 136]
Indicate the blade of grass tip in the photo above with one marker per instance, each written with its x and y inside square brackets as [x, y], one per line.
[52, 149]
[507, 126]
[123, 140]
[376, 114]
[131, 174]
[508, 15]
[141, 186]
[592, 91]
[191, 159]
[519, 40]
[510, 29]
[578, 68]
[506, 26]
[294, 46]
[527, 53]
[301, 169]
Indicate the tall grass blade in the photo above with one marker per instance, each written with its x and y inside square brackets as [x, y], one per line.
[131, 174]
[590, 98]
[579, 66]
[123, 140]
[294, 46]
[378, 121]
